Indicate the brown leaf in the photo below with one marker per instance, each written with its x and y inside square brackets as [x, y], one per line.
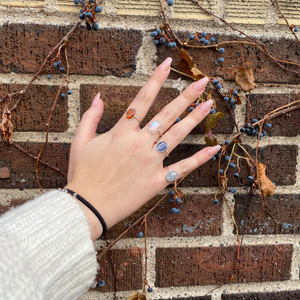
[188, 66]
[6, 126]
[211, 120]
[142, 297]
[245, 79]
[4, 173]
[210, 142]
[238, 100]
[209, 96]
[266, 185]
[133, 296]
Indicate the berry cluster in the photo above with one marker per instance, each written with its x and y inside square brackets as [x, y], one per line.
[231, 98]
[203, 38]
[161, 36]
[56, 65]
[175, 199]
[254, 130]
[63, 95]
[88, 11]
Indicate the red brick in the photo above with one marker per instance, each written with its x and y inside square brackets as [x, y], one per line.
[34, 109]
[265, 70]
[208, 265]
[272, 156]
[283, 207]
[128, 266]
[193, 220]
[285, 125]
[22, 167]
[118, 98]
[13, 203]
[105, 52]
[286, 295]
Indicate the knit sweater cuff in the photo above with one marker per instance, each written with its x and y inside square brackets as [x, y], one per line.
[51, 237]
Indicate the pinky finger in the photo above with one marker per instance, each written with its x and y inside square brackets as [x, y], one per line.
[188, 165]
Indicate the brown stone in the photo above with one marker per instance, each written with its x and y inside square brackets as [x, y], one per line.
[108, 51]
[35, 106]
[215, 265]
[285, 295]
[238, 55]
[13, 203]
[284, 208]
[22, 167]
[284, 125]
[128, 267]
[117, 99]
[130, 114]
[193, 220]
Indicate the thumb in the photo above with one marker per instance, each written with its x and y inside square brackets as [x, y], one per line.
[87, 127]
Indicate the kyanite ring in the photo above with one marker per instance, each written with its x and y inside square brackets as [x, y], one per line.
[171, 175]
[130, 114]
[162, 147]
[155, 127]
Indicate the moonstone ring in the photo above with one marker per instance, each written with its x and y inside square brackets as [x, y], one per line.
[131, 113]
[171, 175]
[162, 147]
[154, 128]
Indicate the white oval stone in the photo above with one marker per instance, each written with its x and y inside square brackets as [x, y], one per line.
[154, 127]
[172, 175]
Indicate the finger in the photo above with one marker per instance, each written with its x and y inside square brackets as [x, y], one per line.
[149, 91]
[88, 125]
[168, 115]
[187, 165]
[180, 130]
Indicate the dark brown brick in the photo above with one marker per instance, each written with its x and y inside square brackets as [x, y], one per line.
[128, 269]
[193, 220]
[237, 55]
[193, 298]
[105, 52]
[286, 295]
[13, 203]
[272, 156]
[118, 98]
[22, 167]
[34, 109]
[284, 208]
[207, 265]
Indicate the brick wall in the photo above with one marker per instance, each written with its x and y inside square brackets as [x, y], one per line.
[191, 253]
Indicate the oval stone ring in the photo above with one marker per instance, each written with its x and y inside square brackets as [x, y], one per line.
[171, 175]
[162, 147]
[154, 127]
[131, 113]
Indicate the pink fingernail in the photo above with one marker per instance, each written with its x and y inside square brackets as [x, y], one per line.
[214, 150]
[206, 106]
[200, 85]
[165, 65]
[96, 100]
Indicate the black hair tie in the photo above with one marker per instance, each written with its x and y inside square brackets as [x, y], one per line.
[91, 207]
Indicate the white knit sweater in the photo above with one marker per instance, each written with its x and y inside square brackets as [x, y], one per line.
[46, 251]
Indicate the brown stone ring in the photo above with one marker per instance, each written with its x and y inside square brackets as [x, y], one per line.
[131, 113]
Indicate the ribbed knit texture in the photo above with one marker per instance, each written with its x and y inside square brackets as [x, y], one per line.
[46, 251]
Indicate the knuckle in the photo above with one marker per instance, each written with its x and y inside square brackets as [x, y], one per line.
[176, 132]
[167, 114]
[157, 78]
[187, 96]
[195, 117]
[183, 167]
[142, 97]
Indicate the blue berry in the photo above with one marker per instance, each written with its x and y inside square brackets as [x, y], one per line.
[191, 37]
[274, 183]
[55, 65]
[149, 289]
[92, 1]
[231, 101]
[88, 27]
[171, 200]
[177, 211]
[233, 106]
[98, 9]
[83, 2]
[212, 40]
[96, 26]
[231, 165]
[212, 111]
[227, 158]
[202, 40]
[242, 129]
[250, 178]
[156, 42]
[203, 34]
[63, 95]
[218, 86]
[206, 42]
[233, 191]
[170, 2]
[170, 45]
[89, 15]
[173, 210]
[226, 99]
[191, 109]
[221, 50]
[178, 200]
[218, 155]
[174, 44]
[236, 175]
[172, 193]
[140, 234]
[153, 33]
[235, 93]
[254, 120]
[268, 125]
[69, 92]
[216, 202]
[101, 283]
[221, 171]
[220, 59]
[264, 133]
[215, 81]
[49, 76]
[296, 29]
[162, 40]
[213, 158]
[76, 2]
[82, 16]
[178, 120]
[158, 31]
[227, 142]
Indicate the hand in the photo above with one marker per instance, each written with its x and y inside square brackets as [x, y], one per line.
[119, 171]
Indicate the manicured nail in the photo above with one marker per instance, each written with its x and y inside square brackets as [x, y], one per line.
[165, 65]
[206, 106]
[200, 85]
[96, 100]
[214, 150]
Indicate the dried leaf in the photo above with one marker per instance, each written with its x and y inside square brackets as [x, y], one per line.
[238, 100]
[211, 142]
[4, 173]
[6, 126]
[267, 186]
[211, 120]
[245, 79]
[133, 296]
[209, 96]
[188, 66]
[142, 297]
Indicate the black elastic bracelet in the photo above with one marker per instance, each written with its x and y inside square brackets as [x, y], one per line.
[91, 207]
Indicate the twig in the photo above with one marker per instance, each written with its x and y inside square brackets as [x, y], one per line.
[146, 257]
[182, 73]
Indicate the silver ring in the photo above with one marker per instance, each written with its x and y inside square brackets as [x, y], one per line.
[162, 146]
[154, 128]
[130, 114]
[171, 175]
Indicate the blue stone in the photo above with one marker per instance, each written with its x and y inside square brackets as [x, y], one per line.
[162, 146]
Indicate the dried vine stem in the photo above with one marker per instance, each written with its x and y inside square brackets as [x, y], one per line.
[66, 80]
[286, 21]
[146, 257]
